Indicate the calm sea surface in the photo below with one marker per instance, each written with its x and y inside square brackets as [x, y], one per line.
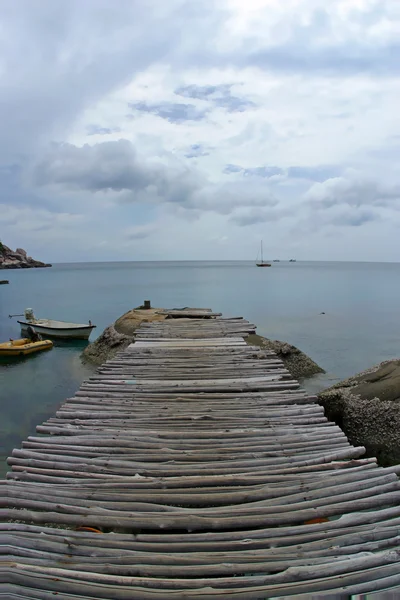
[360, 327]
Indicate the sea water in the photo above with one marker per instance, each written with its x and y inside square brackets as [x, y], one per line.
[343, 315]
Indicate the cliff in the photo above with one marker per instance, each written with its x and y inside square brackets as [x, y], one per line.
[18, 259]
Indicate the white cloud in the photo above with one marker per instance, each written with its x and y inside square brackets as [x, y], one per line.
[129, 118]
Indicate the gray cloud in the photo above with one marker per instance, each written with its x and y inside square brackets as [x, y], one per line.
[262, 172]
[355, 218]
[335, 60]
[196, 150]
[140, 232]
[229, 197]
[251, 216]
[303, 52]
[219, 95]
[315, 173]
[117, 167]
[203, 92]
[265, 171]
[43, 96]
[98, 130]
[63, 61]
[353, 190]
[59, 59]
[228, 169]
[174, 112]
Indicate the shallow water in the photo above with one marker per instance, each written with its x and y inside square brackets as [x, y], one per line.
[360, 326]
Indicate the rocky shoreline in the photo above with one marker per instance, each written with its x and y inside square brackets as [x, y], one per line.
[18, 259]
[367, 408]
[299, 365]
[119, 335]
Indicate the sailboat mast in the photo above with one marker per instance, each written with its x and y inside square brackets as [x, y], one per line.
[262, 258]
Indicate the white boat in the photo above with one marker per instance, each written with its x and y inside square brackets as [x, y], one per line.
[56, 329]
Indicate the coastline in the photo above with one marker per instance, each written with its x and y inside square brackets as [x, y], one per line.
[351, 336]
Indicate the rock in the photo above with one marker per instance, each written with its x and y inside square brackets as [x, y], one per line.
[367, 408]
[299, 365]
[119, 335]
[18, 259]
[106, 346]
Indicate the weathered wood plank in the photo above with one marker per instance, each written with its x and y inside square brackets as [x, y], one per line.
[207, 451]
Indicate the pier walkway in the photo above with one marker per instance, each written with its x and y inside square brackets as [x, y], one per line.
[192, 465]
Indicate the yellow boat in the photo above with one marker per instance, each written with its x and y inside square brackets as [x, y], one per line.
[23, 346]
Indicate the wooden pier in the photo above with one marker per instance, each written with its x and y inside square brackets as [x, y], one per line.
[192, 465]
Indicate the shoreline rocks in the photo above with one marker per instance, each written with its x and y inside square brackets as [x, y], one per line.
[367, 408]
[119, 335]
[18, 259]
[299, 365]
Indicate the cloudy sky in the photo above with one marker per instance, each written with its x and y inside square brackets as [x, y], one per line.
[191, 129]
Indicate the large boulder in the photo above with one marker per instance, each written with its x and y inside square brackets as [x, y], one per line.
[21, 252]
[299, 365]
[106, 346]
[119, 335]
[367, 408]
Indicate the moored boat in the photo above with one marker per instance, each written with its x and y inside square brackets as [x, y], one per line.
[56, 329]
[23, 347]
[263, 263]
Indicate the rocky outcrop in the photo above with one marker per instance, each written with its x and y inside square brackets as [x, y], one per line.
[18, 259]
[299, 365]
[119, 335]
[106, 346]
[367, 408]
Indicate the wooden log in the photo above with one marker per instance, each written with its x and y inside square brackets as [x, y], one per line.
[71, 515]
[353, 523]
[339, 568]
[190, 429]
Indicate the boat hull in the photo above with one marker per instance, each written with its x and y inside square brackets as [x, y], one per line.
[66, 333]
[263, 265]
[23, 347]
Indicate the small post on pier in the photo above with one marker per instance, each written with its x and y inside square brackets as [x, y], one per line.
[146, 304]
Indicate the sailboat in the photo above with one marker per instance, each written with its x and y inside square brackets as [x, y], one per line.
[263, 263]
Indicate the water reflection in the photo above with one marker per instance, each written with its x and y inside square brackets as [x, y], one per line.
[33, 387]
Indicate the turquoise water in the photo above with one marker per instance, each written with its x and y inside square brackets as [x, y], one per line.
[360, 327]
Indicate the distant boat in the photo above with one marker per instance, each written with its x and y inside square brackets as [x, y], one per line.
[292, 260]
[263, 263]
[56, 329]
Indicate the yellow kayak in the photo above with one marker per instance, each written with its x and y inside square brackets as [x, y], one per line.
[23, 346]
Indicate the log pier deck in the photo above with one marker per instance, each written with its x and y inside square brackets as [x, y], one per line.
[190, 466]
